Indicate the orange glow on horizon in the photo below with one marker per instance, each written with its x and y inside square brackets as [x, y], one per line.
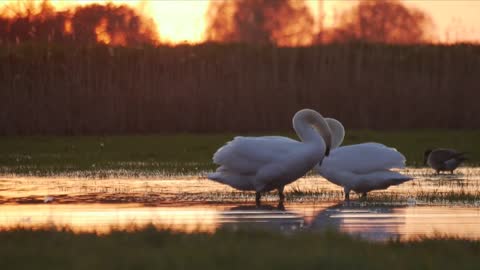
[181, 21]
[68, 27]
[101, 31]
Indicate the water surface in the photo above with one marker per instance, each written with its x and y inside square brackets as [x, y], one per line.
[375, 223]
[447, 205]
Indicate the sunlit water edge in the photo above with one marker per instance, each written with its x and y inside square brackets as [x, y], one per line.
[373, 223]
[462, 188]
[430, 205]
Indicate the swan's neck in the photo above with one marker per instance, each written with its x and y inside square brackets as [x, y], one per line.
[306, 132]
[337, 130]
[312, 128]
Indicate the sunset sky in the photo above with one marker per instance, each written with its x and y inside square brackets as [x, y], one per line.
[183, 20]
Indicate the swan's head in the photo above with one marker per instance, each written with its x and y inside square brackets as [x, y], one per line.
[337, 130]
[425, 156]
[306, 119]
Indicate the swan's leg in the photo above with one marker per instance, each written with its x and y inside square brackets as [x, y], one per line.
[451, 171]
[280, 193]
[280, 206]
[258, 195]
[347, 194]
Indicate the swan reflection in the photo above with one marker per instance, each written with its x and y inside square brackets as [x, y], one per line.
[264, 217]
[372, 222]
[382, 223]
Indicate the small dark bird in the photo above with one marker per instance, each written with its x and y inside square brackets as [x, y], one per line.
[442, 159]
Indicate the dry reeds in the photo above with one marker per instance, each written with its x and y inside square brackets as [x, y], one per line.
[217, 88]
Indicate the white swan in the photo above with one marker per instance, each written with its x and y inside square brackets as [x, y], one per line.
[360, 167]
[271, 162]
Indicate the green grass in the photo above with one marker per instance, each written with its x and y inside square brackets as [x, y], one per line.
[177, 154]
[242, 249]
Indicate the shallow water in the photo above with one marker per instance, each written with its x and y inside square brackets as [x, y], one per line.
[370, 222]
[460, 188]
[447, 205]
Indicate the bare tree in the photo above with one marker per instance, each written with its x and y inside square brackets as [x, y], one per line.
[281, 22]
[382, 21]
[112, 24]
[117, 25]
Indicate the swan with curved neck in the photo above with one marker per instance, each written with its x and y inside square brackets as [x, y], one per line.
[337, 132]
[311, 127]
[266, 163]
[360, 167]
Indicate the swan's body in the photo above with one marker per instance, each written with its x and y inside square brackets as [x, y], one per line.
[361, 167]
[271, 162]
[444, 159]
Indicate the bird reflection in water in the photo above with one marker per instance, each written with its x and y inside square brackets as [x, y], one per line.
[265, 216]
[369, 222]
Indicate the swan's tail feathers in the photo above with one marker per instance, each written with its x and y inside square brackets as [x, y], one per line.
[396, 178]
[384, 179]
[237, 181]
[402, 179]
[216, 176]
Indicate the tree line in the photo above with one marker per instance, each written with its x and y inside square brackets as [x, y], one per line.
[277, 22]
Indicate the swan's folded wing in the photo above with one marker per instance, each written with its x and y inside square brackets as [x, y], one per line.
[246, 155]
[365, 158]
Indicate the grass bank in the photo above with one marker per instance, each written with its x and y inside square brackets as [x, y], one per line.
[153, 249]
[184, 153]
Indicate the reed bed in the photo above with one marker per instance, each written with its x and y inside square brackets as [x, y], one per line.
[60, 89]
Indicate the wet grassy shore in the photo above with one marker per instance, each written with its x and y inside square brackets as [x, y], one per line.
[244, 249]
[185, 154]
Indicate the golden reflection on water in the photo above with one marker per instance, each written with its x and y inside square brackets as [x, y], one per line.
[374, 223]
[198, 189]
[101, 218]
[430, 221]
[404, 223]
[192, 203]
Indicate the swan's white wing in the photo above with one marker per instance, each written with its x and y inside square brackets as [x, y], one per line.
[246, 155]
[364, 158]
